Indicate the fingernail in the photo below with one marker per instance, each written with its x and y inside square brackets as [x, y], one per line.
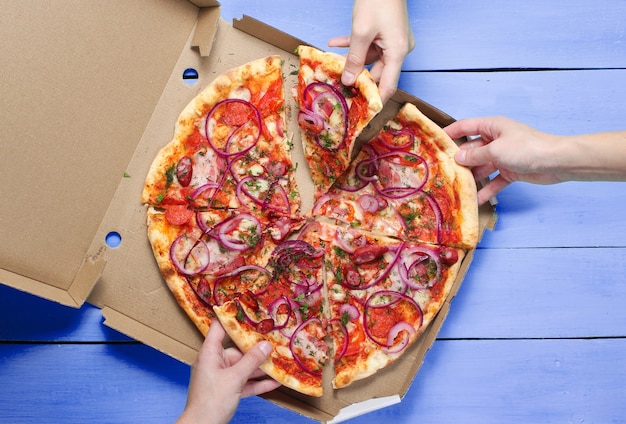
[266, 347]
[348, 77]
[460, 155]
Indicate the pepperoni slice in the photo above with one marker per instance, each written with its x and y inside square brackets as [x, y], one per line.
[178, 214]
[237, 113]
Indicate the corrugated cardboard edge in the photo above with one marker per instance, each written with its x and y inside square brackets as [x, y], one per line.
[74, 296]
[149, 336]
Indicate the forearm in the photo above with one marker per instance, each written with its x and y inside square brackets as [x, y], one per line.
[591, 157]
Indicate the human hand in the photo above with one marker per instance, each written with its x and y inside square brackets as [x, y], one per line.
[221, 377]
[515, 150]
[381, 34]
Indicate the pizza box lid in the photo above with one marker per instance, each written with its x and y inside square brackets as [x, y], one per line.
[85, 113]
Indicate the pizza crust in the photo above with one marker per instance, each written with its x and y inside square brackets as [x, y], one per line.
[161, 235]
[462, 178]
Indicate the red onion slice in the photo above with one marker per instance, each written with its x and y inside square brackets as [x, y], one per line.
[402, 328]
[189, 254]
[307, 346]
[384, 185]
[349, 311]
[280, 318]
[371, 203]
[203, 189]
[262, 325]
[315, 113]
[340, 349]
[438, 216]
[240, 232]
[397, 138]
[233, 132]
[416, 268]
[349, 240]
[310, 121]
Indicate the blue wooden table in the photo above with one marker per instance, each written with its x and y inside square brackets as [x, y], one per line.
[537, 332]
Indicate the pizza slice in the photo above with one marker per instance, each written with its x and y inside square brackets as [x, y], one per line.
[405, 183]
[207, 257]
[229, 148]
[331, 116]
[382, 294]
[289, 313]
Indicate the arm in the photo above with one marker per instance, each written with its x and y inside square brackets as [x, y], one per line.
[221, 377]
[381, 33]
[521, 153]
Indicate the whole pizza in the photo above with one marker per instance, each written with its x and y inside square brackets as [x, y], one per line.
[352, 282]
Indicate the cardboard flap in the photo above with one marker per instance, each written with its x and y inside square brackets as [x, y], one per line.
[38, 288]
[151, 337]
[206, 27]
[267, 33]
[80, 81]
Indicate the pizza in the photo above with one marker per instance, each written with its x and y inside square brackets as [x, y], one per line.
[331, 115]
[349, 284]
[405, 183]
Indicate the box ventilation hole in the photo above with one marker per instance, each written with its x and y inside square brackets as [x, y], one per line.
[113, 239]
[190, 76]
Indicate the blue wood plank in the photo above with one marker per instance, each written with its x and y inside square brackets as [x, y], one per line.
[520, 381]
[482, 34]
[541, 293]
[486, 381]
[90, 383]
[563, 215]
[561, 102]
[24, 317]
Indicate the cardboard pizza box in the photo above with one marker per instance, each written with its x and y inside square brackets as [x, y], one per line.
[91, 93]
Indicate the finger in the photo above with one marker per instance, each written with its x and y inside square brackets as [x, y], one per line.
[464, 128]
[389, 77]
[258, 387]
[355, 60]
[492, 188]
[474, 156]
[258, 374]
[232, 356]
[343, 41]
[483, 171]
[213, 340]
[474, 142]
[376, 70]
[253, 359]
